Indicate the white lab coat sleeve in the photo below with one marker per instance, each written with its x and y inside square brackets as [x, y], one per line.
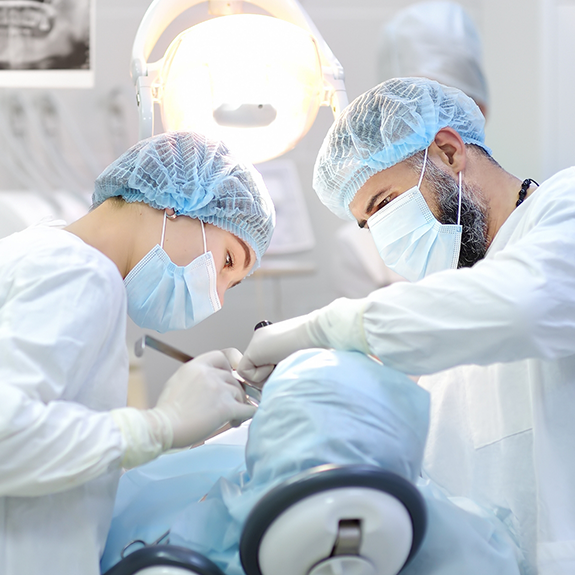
[517, 303]
[54, 322]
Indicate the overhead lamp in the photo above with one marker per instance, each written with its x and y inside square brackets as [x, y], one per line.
[254, 81]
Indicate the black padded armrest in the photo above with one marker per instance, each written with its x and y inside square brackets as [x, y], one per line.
[169, 555]
[324, 478]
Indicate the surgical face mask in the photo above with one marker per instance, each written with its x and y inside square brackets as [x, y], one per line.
[163, 296]
[410, 240]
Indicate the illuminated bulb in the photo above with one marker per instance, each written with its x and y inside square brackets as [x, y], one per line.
[253, 81]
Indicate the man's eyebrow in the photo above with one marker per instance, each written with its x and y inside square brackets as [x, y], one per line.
[248, 260]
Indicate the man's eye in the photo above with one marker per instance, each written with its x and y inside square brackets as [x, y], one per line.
[383, 203]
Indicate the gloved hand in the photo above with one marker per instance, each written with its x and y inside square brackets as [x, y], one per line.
[202, 396]
[338, 325]
[271, 344]
[197, 400]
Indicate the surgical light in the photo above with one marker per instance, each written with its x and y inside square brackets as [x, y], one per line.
[254, 81]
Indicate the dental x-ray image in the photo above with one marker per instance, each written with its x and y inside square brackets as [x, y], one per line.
[45, 34]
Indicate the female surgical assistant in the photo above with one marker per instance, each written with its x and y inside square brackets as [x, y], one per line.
[491, 330]
[176, 221]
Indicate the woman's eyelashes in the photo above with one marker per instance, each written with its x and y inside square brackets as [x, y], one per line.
[229, 260]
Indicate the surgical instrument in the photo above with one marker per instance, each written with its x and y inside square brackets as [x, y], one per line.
[143, 543]
[253, 393]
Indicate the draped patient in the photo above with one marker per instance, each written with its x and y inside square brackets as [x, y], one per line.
[318, 407]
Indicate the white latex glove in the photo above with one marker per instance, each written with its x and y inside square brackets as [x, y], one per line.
[338, 325]
[271, 344]
[197, 400]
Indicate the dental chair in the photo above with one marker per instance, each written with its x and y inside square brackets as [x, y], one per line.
[328, 520]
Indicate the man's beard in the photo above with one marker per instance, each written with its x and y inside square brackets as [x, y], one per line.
[473, 220]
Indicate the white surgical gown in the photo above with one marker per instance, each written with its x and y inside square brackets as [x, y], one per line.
[63, 365]
[500, 341]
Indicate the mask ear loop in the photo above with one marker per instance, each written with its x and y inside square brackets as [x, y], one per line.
[163, 231]
[172, 217]
[422, 170]
[204, 234]
[459, 208]
[214, 296]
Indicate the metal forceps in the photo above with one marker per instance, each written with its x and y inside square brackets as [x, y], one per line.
[253, 393]
[143, 543]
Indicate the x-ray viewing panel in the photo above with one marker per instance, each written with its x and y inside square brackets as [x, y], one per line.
[293, 232]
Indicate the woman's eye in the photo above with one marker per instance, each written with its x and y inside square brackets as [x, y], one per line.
[229, 260]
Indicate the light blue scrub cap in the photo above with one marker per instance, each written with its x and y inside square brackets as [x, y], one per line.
[197, 177]
[385, 126]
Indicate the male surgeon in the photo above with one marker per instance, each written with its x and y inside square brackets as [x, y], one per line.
[488, 316]
[431, 39]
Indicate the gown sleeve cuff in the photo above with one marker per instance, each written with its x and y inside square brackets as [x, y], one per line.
[146, 434]
[340, 326]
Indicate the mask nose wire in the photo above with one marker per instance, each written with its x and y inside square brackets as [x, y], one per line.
[459, 208]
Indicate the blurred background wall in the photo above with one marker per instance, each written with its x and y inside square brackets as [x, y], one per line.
[529, 57]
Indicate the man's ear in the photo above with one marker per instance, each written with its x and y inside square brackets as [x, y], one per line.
[449, 149]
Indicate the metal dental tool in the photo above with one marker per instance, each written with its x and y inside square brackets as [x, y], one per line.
[253, 393]
[149, 341]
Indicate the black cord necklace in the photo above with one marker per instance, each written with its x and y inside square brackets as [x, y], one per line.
[524, 188]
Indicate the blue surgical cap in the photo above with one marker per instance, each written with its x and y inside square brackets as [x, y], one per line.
[385, 126]
[197, 177]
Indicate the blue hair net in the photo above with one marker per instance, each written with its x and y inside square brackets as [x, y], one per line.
[385, 126]
[197, 177]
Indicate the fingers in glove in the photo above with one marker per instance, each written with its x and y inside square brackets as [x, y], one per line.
[233, 355]
[216, 358]
[256, 375]
[237, 392]
[243, 412]
[233, 381]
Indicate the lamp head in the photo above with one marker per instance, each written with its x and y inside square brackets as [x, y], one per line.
[253, 81]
